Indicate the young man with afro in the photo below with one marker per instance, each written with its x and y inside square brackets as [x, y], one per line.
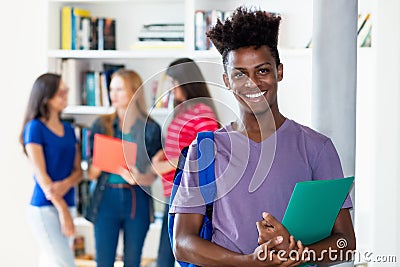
[258, 160]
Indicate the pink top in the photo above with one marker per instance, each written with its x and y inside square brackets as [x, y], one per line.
[182, 131]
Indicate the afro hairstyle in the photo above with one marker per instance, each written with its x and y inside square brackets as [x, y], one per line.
[246, 27]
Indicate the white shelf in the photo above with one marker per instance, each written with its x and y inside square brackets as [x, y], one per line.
[87, 110]
[160, 111]
[116, 54]
[156, 53]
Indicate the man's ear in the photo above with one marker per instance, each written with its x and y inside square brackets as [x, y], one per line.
[226, 80]
[280, 72]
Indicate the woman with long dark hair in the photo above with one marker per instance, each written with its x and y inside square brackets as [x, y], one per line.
[51, 146]
[194, 112]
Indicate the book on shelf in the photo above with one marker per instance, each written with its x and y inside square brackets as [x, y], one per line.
[94, 34]
[162, 32]
[211, 19]
[204, 19]
[163, 96]
[91, 86]
[97, 85]
[102, 33]
[156, 27]
[81, 31]
[72, 24]
[109, 34]
[85, 144]
[73, 74]
[364, 30]
[175, 36]
[200, 28]
[104, 92]
[84, 43]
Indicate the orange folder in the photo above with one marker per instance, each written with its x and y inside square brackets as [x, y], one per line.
[110, 153]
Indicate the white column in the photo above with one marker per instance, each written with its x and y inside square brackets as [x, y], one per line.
[334, 73]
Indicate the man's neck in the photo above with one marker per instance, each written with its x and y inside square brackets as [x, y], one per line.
[259, 127]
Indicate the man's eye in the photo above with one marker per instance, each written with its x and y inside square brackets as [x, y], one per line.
[263, 71]
[238, 75]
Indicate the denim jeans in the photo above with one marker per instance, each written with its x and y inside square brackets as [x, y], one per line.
[55, 248]
[165, 256]
[115, 214]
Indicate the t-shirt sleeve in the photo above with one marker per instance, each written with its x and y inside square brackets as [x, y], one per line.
[328, 166]
[188, 198]
[33, 133]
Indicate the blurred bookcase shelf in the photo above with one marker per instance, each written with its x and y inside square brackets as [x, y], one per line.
[117, 54]
[151, 58]
[89, 110]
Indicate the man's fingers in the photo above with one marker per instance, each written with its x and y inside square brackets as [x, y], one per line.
[292, 243]
[259, 226]
[270, 219]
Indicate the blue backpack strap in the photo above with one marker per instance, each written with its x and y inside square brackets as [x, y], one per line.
[178, 173]
[205, 157]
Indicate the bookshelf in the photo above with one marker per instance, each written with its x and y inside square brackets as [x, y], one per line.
[131, 15]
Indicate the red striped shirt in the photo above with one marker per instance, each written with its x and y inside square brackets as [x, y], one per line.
[182, 131]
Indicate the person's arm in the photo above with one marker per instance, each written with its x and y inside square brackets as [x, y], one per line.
[327, 250]
[189, 247]
[160, 165]
[93, 172]
[36, 156]
[60, 188]
[135, 177]
[341, 240]
[97, 127]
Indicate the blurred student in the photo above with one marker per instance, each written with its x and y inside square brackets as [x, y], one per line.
[194, 112]
[122, 201]
[51, 146]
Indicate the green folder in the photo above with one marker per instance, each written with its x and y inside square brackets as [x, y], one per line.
[313, 208]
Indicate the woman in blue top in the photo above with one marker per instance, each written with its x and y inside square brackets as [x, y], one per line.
[51, 146]
[122, 201]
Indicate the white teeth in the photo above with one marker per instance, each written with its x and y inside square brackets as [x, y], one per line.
[255, 95]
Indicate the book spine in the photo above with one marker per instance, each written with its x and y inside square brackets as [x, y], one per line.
[97, 91]
[100, 34]
[85, 33]
[66, 28]
[74, 33]
[104, 94]
[109, 34]
[200, 30]
[364, 32]
[94, 36]
[90, 88]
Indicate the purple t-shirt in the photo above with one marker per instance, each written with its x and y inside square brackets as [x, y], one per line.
[254, 177]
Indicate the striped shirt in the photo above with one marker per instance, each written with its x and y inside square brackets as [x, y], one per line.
[182, 131]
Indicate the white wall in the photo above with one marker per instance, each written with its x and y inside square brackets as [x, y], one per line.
[386, 183]
[23, 58]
